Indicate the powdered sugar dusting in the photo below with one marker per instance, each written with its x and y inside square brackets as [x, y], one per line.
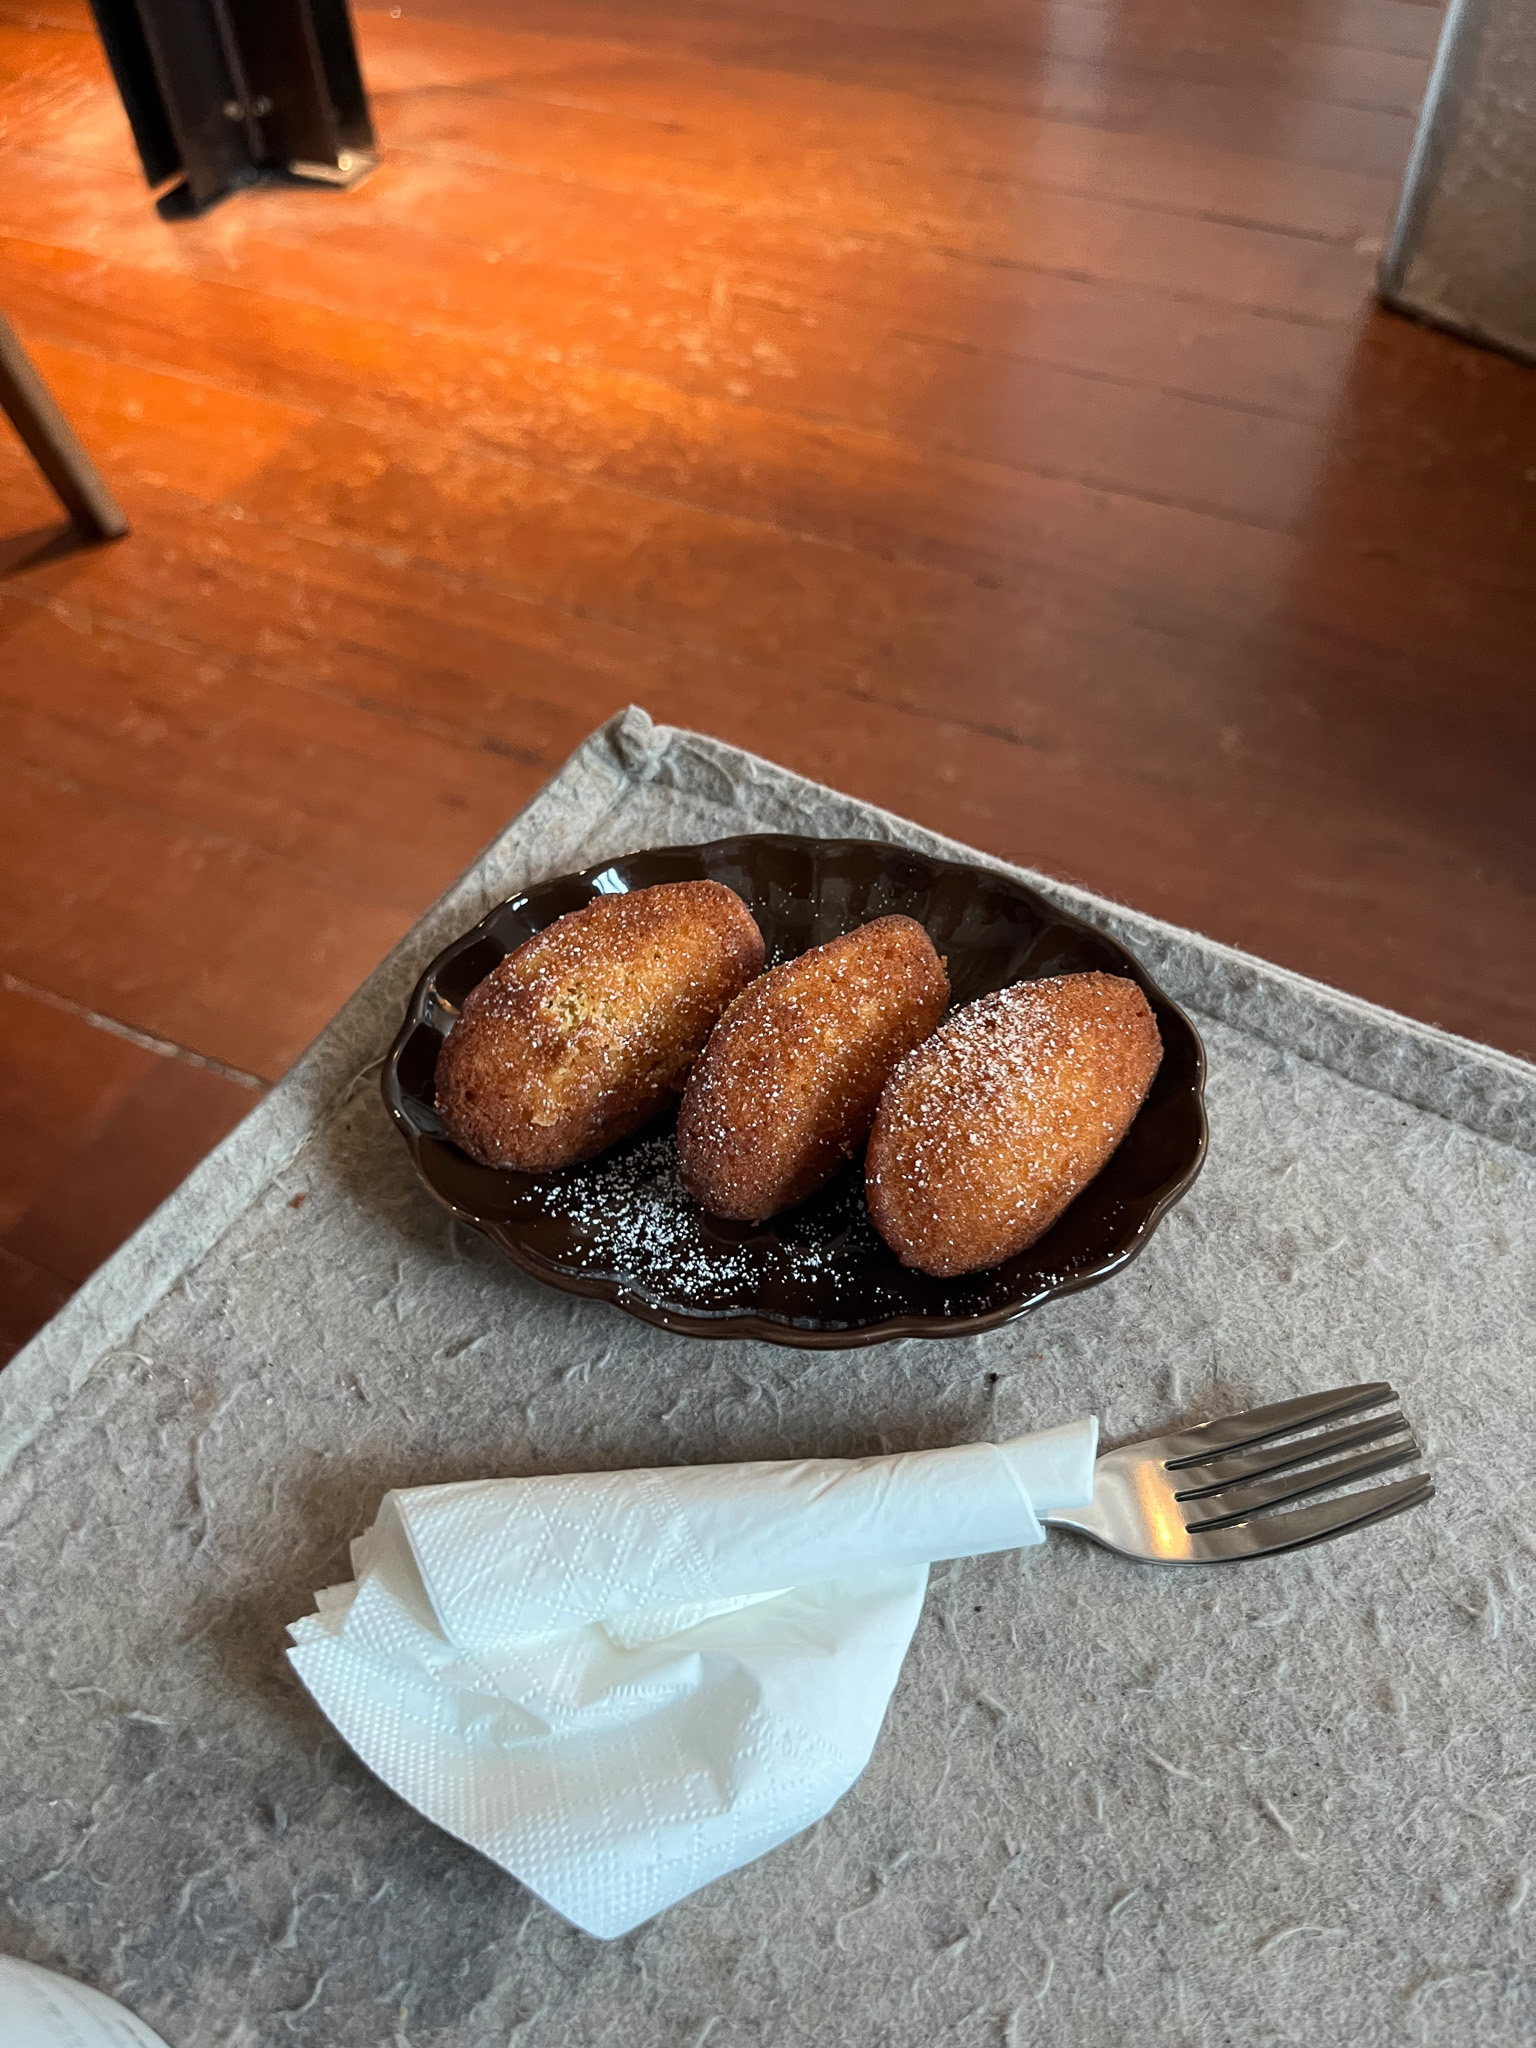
[635, 1221]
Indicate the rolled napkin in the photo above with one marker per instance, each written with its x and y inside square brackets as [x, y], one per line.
[621, 1685]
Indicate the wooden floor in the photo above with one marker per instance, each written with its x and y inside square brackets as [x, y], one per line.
[978, 404]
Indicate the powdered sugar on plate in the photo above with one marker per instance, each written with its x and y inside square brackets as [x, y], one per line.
[635, 1222]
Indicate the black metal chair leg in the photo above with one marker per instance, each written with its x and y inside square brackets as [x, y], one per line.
[53, 443]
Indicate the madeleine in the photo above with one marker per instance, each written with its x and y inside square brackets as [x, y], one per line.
[987, 1132]
[589, 1028]
[787, 1088]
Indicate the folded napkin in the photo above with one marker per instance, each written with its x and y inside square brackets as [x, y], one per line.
[621, 1685]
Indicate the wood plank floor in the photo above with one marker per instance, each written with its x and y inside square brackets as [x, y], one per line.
[979, 405]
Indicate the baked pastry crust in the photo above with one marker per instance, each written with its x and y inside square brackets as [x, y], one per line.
[578, 1038]
[786, 1090]
[987, 1132]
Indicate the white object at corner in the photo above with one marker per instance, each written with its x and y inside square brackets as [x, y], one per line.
[41, 2010]
[621, 1685]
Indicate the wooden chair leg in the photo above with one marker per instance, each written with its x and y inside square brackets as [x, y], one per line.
[53, 443]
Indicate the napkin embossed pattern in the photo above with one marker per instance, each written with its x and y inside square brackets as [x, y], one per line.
[622, 1685]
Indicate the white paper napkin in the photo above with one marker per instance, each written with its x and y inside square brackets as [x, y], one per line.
[621, 1685]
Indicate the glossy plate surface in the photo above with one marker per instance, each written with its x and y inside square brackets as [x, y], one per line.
[621, 1228]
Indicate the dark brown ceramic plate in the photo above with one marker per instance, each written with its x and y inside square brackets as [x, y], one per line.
[621, 1228]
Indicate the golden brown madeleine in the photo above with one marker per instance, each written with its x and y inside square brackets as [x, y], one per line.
[786, 1090]
[987, 1132]
[580, 1036]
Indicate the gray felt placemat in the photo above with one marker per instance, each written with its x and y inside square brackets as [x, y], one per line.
[1290, 1802]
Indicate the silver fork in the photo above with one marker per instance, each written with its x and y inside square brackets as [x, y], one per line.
[1209, 1495]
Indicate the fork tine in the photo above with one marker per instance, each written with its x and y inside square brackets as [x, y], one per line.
[1232, 1505]
[1275, 1533]
[1236, 1432]
[1220, 1472]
